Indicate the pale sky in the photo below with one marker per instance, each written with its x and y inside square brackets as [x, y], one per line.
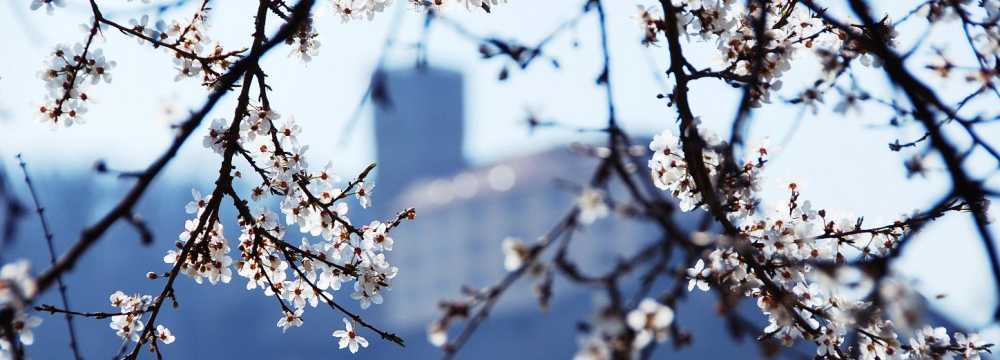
[843, 162]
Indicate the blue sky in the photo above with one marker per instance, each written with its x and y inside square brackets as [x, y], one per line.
[843, 162]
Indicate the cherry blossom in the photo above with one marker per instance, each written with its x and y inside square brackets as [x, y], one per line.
[213, 263]
[971, 345]
[16, 282]
[364, 195]
[437, 334]
[697, 276]
[514, 252]
[376, 238]
[22, 325]
[50, 5]
[290, 319]
[128, 322]
[593, 348]
[650, 321]
[926, 342]
[164, 335]
[592, 206]
[483, 5]
[305, 42]
[66, 73]
[215, 138]
[350, 339]
[197, 205]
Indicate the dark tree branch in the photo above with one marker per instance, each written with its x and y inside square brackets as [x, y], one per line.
[47, 232]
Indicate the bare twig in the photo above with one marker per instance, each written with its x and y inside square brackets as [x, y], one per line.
[47, 231]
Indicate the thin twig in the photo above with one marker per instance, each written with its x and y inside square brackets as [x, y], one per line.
[47, 231]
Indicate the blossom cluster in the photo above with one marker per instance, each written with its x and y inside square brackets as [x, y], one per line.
[366, 9]
[485, 5]
[67, 72]
[359, 9]
[983, 36]
[332, 251]
[775, 256]
[210, 258]
[127, 322]
[669, 169]
[195, 53]
[305, 42]
[608, 332]
[70, 69]
[788, 29]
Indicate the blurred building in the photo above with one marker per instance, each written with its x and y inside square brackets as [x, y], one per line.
[419, 126]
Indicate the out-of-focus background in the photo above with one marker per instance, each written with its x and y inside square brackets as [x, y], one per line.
[453, 143]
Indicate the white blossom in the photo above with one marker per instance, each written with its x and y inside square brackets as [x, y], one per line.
[49, 5]
[592, 347]
[350, 339]
[16, 282]
[290, 319]
[697, 276]
[128, 322]
[164, 335]
[515, 253]
[591, 205]
[376, 237]
[22, 325]
[650, 321]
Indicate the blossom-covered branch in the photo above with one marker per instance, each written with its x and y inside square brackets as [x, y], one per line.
[790, 260]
